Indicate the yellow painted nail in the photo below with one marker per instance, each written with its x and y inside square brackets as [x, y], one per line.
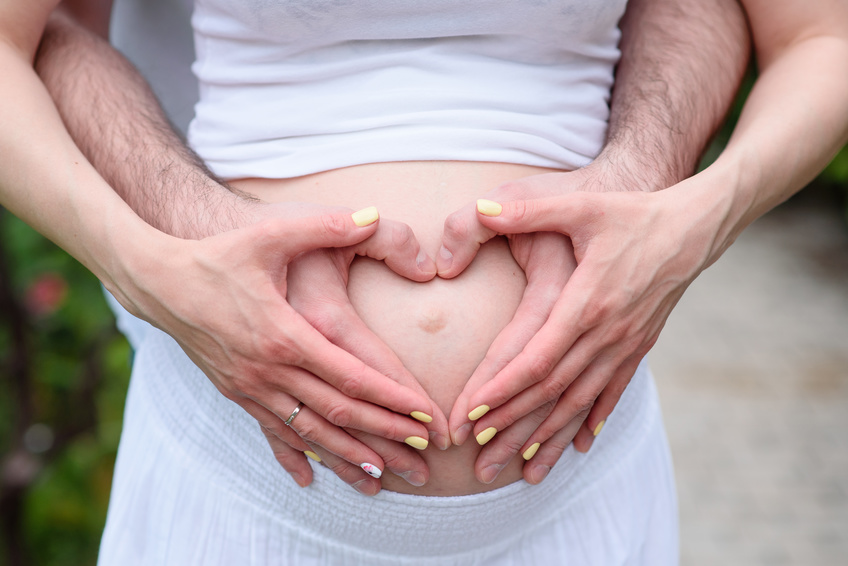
[365, 216]
[486, 435]
[419, 416]
[530, 452]
[598, 428]
[489, 207]
[417, 442]
[312, 455]
[478, 412]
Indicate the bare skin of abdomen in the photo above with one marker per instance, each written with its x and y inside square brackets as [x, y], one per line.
[441, 329]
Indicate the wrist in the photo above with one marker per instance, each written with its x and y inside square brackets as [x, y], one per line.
[619, 170]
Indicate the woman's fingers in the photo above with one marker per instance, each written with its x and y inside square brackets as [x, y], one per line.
[351, 474]
[351, 376]
[400, 459]
[327, 308]
[501, 449]
[333, 406]
[548, 262]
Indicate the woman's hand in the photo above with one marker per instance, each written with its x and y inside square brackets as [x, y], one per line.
[636, 253]
[224, 301]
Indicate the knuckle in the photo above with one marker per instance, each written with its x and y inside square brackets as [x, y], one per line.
[353, 384]
[341, 468]
[521, 210]
[402, 236]
[396, 459]
[581, 403]
[539, 366]
[552, 388]
[330, 322]
[333, 224]
[307, 430]
[340, 415]
[456, 228]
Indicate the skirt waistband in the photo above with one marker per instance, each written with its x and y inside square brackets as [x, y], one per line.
[224, 444]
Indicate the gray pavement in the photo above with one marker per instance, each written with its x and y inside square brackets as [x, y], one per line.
[752, 369]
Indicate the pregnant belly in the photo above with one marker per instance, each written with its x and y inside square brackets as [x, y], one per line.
[440, 329]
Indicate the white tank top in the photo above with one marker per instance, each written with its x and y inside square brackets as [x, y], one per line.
[293, 87]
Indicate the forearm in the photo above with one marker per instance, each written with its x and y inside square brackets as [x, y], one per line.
[681, 65]
[793, 123]
[114, 117]
[48, 183]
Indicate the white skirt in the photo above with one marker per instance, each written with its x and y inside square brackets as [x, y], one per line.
[196, 484]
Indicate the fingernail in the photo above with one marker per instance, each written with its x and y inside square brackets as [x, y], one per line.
[441, 441]
[414, 478]
[371, 470]
[539, 473]
[424, 262]
[478, 412]
[364, 487]
[530, 452]
[489, 207]
[366, 216]
[445, 258]
[486, 435]
[312, 455]
[462, 434]
[416, 442]
[598, 428]
[489, 473]
[419, 416]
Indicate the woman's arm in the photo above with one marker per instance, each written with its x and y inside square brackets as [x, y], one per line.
[792, 124]
[48, 182]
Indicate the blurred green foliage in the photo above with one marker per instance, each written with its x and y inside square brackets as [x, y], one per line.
[64, 371]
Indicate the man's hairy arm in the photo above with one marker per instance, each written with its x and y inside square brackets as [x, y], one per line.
[116, 121]
[682, 62]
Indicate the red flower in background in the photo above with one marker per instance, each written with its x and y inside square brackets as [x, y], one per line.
[46, 294]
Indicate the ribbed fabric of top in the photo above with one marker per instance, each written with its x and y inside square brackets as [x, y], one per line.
[196, 484]
[292, 87]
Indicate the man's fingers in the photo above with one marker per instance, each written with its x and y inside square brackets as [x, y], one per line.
[605, 403]
[287, 446]
[548, 454]
[292, 460]
[395, 243]
[462, 237]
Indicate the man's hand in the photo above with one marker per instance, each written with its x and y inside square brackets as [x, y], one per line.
[224, 300]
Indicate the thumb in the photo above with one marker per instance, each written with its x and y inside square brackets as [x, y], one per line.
[330, 230]
[562, 213]
[461, 239]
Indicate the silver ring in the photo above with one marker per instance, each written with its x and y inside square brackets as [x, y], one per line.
[294, 414]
